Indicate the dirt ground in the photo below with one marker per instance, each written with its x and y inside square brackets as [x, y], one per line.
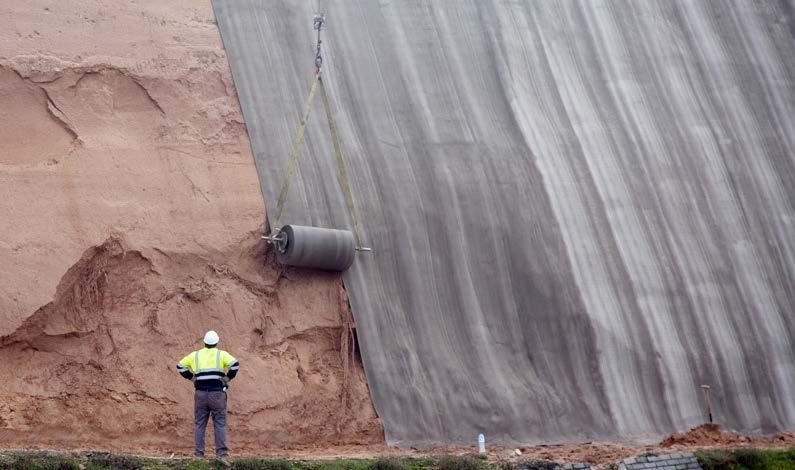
[699, 438]
[598, 454]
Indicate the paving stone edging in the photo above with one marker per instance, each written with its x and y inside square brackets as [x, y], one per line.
[685, 461]
[576, 466]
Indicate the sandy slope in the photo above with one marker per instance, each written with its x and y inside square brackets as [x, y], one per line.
[130, 212]
[120, 118]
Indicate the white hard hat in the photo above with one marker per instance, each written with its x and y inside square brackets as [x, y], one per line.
[211, 338]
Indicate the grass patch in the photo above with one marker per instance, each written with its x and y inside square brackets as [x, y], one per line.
[37, 461]
[404, 463]
[248, 463]
[531, 464]
[741, 459]
[462, 462]
[108, 461]
[747, 459]
[389, 464]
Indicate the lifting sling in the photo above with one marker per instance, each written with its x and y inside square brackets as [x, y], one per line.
[342, 175]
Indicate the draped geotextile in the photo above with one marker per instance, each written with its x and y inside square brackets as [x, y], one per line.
[580, 211]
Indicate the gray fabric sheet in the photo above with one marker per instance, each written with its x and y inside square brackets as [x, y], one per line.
[581, 211]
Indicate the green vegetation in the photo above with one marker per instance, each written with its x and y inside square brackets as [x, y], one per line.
[38, 461]
[747, 459]
[741, 459]
[107, 461]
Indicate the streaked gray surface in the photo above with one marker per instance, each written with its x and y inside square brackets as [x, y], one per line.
[581, 211]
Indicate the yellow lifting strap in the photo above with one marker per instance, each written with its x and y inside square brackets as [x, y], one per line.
[342, 175]
[294, 154]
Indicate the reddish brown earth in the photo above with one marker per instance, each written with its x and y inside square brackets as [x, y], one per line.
[704, 437]
[118, 117]
[131, 215]
[711, 435]
[95, 367]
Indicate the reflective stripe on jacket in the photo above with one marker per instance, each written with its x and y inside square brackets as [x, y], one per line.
[208, 366]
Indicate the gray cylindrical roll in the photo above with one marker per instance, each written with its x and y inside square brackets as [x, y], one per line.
[314, 247]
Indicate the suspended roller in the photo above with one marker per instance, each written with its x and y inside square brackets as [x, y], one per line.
[315, 247]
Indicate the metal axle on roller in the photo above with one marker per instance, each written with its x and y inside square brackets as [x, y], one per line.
[314, 247]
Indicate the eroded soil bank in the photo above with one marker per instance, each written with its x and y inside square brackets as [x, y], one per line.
[131, 213]
[94, 368]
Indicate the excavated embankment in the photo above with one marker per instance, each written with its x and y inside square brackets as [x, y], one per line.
[94, 368]
[131, 211]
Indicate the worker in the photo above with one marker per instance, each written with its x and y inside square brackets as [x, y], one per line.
[210, 369]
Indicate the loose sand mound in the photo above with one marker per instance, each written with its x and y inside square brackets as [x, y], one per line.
[711, 435]
[95, 367]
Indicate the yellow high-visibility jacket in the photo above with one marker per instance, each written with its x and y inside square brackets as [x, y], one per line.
[210, 366]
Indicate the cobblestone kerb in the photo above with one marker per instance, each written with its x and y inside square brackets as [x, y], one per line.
[684, 461]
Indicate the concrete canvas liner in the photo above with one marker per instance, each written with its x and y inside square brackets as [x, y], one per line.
[580, 211]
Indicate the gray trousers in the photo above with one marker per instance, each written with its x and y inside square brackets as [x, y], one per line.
[208, 404]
